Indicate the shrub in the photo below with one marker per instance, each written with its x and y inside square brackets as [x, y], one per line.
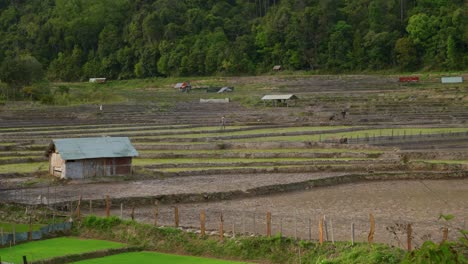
[101, 223]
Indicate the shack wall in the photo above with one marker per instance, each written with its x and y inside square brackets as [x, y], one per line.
[87, 168]
[56, 164]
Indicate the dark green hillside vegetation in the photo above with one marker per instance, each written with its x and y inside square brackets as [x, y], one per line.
[74, 40]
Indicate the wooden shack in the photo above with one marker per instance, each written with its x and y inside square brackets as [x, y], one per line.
[81, 158]
[280, 99]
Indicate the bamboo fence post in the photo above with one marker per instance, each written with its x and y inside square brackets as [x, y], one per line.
[133, 213]
[107, 206]
[202, 222]
[14, 234]
[281, 226]
[409, 233]
[121, 210]
[90, 206]
[352, 234]
[176, 216]
[370, 237]
[268, 224]
[310, 228]
[221, 227]
[234, 230]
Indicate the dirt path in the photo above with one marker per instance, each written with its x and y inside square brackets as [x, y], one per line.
[392, 202]
[175, 185]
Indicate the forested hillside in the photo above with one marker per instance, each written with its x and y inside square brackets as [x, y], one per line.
[121, 39]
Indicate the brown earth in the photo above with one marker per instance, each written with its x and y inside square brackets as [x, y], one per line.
[391, 202]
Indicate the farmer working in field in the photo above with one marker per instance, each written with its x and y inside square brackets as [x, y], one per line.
[223, 123]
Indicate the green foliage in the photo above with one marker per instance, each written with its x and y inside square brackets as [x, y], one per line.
[101, 223]
[21, 70]
[276, 249]
[121, 39]
[431, 252]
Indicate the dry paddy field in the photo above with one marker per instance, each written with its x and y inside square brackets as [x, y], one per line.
[405, 161]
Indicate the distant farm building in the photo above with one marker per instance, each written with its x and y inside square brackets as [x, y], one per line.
[97, 80]
[80, 158]
[457, 79]
[277, 68]
[280, 99]
[183, 86]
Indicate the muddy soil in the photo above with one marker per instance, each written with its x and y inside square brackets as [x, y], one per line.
[393, 203]
[175, 185]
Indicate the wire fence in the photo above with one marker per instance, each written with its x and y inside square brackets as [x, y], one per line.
[299, 224]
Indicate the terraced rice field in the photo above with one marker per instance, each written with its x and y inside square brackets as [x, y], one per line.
[394, 131]
[45, 249]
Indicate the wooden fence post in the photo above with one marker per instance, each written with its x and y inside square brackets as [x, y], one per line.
[107, 206]
[133, 213]
[121, 210]
[370, 237]
[254, 223]
[176, 216]
[221, 227]
[310, 228]
[409, 233]
[444, 234]
[352, 234]
[78, 208]
[202, 222]
[325, 227]
[268, 224]
[30, 229]
[156, 212]
[332, 234]
[321, 230]
[281, 226]
[90, 206]
[14, 234]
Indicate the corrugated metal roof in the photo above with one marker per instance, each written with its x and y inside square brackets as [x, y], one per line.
[279, 97]
[91, 148]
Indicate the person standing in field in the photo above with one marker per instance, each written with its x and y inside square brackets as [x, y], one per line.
[223, 123]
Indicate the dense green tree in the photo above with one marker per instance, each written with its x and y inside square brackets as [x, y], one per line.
[77, 39]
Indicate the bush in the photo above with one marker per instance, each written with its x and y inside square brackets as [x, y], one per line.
[101, 223]
[430, 252]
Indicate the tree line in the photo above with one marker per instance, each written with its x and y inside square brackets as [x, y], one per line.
[70, 40]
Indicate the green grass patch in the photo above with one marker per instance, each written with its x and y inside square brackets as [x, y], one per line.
[9, 227]
[143, 162]
[250, 151]
[24, 167]
[358, 133]
[443, 161]
[329, 166]
[153, 257]
[56, 247]
[252, 132]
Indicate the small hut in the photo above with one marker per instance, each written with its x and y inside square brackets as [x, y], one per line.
[277, 68]
[80, 158]
[279, 99]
